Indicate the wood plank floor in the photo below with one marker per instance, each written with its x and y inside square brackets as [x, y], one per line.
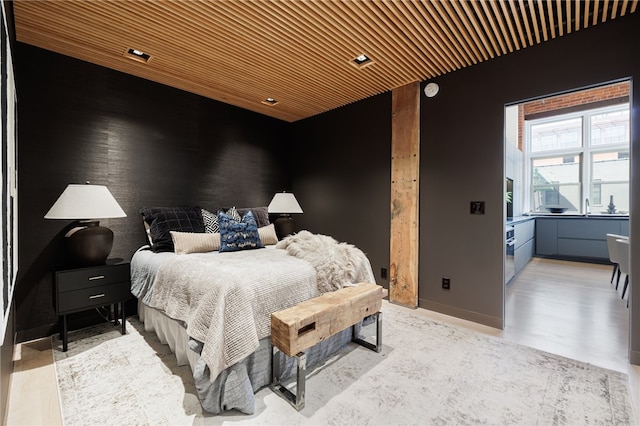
[565, 308]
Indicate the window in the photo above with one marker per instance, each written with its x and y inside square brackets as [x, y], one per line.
[577, 157]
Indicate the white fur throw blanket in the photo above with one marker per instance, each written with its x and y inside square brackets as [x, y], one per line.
[226, 299]
[336, 264]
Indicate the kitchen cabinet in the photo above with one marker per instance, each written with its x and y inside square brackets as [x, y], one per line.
[579, 238]
[546, 236]
[524, 233]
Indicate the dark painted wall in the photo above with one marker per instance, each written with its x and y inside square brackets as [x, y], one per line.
[152, 145]
[8, 343]
[462, 152]
[341, 176]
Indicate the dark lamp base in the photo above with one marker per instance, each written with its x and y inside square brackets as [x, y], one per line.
[89, 244]
[285, 226]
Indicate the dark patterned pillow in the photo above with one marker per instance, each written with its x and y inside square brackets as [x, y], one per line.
[238, 235]
[260, 214]
[210, 222]
[163, 220]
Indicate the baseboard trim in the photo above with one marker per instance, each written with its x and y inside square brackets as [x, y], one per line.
[462, 313]
[36, 333]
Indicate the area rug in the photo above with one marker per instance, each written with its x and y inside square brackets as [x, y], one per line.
[428, 373]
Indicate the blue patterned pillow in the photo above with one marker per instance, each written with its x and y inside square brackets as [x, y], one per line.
[238, 235]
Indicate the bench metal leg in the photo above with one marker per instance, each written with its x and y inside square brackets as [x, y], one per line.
[378, 345]
[297, 399]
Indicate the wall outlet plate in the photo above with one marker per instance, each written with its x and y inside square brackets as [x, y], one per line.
[446, 283]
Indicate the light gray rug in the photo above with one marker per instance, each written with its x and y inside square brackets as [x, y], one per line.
[428, 373]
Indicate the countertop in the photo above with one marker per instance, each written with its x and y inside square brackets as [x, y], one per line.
[525, 218]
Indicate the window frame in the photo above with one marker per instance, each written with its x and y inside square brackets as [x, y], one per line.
[585, 151]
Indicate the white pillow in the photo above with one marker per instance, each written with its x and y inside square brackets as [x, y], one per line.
[268, 235]
[195, 242]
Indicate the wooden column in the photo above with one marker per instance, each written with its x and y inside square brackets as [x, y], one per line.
[405, 180]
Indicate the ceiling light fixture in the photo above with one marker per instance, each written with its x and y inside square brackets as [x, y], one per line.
[270, 101]
[137, 55]
[362, 60]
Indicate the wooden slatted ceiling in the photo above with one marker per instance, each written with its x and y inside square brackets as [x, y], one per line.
[300, 52]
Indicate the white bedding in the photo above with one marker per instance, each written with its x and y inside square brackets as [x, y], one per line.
[225, 300]
[224, 303]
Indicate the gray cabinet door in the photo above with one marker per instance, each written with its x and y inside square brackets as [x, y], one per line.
[524, 231]
[624, 227]
[523, 255]
[586, 237]
[546, 237]
[587, 229]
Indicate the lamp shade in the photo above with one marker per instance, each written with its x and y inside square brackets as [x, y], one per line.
[284, 202]
[85, 202]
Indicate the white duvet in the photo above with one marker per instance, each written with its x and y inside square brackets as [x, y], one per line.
[226, 299]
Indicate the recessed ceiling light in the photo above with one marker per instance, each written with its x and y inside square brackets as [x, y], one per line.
[362, 59]
[270, 101]
[137, 55]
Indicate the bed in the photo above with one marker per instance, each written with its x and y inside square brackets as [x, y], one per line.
[213, 307]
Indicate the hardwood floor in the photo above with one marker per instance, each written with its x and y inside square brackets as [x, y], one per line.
[566, 308]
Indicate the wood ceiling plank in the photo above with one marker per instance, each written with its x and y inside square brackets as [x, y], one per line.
[552, 24]
[585, 18]
[445, 34]
[446, 47]
[445, 23]
[604, 10]
[576, 15]
[420, 36]
[481, 28]
[500, 19]
[534, 20]
[543, 21]
[507, 17]
[385, 35]
[391, 26]
[324, 29]
[463, 30]
[369, 41]
[494, 28]
[560, 19]
[299, 52]
[518, 19]
[614, 9]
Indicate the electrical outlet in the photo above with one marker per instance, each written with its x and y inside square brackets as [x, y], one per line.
[446, 283]
[383, 273]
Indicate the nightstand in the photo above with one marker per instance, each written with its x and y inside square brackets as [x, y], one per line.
[86, 288]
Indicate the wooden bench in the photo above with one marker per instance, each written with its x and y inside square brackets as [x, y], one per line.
[300, 327]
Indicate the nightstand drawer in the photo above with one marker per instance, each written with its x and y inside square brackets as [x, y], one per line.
[87, 298]
[76, 279]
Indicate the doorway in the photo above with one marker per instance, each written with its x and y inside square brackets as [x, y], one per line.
[568, 156]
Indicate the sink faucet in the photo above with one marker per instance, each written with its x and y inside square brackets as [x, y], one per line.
[586, 206]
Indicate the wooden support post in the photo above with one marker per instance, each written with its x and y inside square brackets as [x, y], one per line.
[405, 179]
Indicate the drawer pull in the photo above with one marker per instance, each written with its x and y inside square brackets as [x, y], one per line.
[97, 277]
[96, 296]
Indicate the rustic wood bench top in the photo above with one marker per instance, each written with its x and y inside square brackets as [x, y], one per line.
[298, 328]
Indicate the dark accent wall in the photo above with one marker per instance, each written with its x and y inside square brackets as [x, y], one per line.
[341, 172]
[150, 144]
[462, 160]
[8, 342]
